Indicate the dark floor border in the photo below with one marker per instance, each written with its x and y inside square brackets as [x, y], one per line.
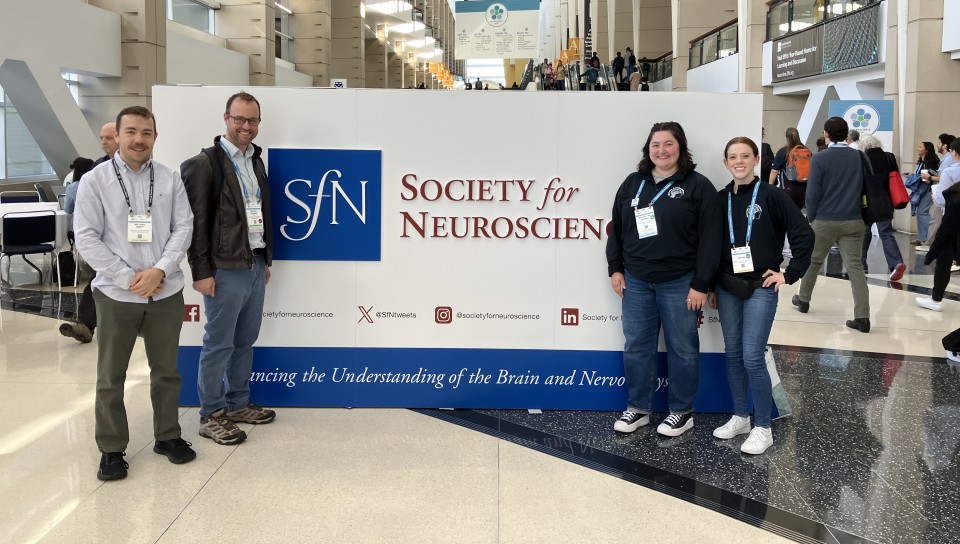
[728, 503]
[853, 353]
[13, 305]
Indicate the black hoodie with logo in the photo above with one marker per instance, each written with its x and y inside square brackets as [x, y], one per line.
[688, 230]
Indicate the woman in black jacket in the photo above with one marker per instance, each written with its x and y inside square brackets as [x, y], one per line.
[757, 218]
[882, 163]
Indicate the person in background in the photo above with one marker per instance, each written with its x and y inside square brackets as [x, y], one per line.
[853, 139]
[618, 63]
[821, 144]
[936, 211]
[108, 142]
[757, 218]
[796, 190]
[927, 161]
[943, 249]
[881, 165]
[766, 157]
[561, 80]
[662, 254]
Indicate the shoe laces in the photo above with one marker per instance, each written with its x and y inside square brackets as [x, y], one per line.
[629, 415]
[673, 419]
[117, 457]
[254, 407]
[179, 442]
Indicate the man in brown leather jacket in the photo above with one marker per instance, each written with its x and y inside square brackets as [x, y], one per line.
[230, 258]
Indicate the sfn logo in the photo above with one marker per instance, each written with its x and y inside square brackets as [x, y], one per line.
[326, 204]
[570, 316]
[365, 314]
[191, 313]
[443, 315]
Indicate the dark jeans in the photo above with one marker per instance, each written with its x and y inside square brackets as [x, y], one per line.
[891, 251]
[944, 249]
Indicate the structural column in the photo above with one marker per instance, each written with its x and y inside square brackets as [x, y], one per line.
[311, 26]
[248, 27]
[695, 18]
[348, 51]
[143, 57]
[375, 65]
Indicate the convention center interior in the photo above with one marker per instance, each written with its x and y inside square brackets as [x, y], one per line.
[221, 220]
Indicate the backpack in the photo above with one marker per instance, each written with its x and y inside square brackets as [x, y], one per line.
[798, 164]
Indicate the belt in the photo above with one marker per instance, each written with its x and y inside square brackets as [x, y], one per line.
[260, 252]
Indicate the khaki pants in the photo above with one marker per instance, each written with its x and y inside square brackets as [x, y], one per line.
[936, 217]
[848, 235]
[118, 324]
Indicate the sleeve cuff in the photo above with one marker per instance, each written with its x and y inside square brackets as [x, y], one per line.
[700, 285]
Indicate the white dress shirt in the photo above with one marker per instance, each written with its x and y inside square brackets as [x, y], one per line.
[100, 225]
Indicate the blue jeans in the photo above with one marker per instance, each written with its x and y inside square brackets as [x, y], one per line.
[233, 324]
[647, 306]
[746, 328]
[891, 251]
[923, 216]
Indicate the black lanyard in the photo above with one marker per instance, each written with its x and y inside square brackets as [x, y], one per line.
[124, 189]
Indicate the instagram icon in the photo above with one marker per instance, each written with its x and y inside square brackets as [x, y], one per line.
[443, 315]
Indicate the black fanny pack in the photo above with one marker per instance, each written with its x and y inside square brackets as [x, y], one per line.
[739, 286]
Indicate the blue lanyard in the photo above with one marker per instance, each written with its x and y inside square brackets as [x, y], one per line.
[753, 203]
[919, 168]
[640, 190]
[243, 186]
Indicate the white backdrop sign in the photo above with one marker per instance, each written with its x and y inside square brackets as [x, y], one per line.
[460, 266]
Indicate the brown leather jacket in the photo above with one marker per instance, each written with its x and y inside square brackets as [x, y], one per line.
[222, 241]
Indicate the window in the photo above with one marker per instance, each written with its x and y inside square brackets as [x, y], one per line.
[786, 16]
[728, 41]
[709, 53]
[196, 14]
[282, 38]
[778, 20]
[695, 54]
[806, 13]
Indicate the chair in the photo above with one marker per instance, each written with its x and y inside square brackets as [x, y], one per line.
[10, 197]
[29, 233]
[48, 193]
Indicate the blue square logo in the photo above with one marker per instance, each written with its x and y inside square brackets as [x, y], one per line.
[326, 204]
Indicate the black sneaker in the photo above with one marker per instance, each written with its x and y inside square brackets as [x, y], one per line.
[862, 324]
[112, 466]
[676, 424]
[177, 450]
[630, 421]
[804, 307]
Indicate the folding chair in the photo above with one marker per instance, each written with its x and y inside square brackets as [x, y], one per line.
[10, 197]
[29, 233]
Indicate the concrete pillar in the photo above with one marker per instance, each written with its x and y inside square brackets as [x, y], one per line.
[375, 64]
[314, 33]
[394, 71]
[655, 31]
[695, 18]
[248, 27]
[143, 54]
[348, 45]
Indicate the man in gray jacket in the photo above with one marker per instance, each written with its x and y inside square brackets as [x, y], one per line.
[834, 209]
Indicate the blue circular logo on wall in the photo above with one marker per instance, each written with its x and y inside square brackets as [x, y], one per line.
[862, 117]
[497, 15]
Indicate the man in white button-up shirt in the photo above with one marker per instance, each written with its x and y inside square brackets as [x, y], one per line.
[133, 225]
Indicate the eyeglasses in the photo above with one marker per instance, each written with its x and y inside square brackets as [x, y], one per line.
[240, 121]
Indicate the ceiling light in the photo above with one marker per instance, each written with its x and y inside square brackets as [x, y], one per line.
[284, 8]
[389, 8]
[408, 28]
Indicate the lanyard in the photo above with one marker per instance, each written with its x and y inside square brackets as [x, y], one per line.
[243, 186]
[126, 195]
[640, 190]
[919, 168]
[753, 203]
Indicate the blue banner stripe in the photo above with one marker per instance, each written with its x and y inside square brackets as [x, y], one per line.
[439, 378]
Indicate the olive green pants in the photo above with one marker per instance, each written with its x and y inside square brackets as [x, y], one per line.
[848, 235]
[118, 325]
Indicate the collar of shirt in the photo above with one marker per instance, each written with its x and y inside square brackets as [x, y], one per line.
[234, 150]
[126, 168]
[838, 144]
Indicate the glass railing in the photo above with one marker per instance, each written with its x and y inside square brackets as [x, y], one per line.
[661, 67]
[789, 16]
[714, 45]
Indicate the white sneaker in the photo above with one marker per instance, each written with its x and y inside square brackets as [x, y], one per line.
[928, 303]
[954, 268]
[922, 248]
[759, 440]
[631, 421]
[735, 427]
[953, 356]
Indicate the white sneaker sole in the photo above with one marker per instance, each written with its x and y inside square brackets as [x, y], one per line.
[752, 451]
[622, 427]
[666, 430]
[726, 435]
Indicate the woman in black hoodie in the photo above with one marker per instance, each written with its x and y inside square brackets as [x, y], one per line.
[757, 216]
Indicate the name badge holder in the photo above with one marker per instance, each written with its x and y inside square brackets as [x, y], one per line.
[741, 256]
[253, 208]
[139, 225]
[645, 217]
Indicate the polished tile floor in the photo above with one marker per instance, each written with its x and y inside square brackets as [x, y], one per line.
[869, 455]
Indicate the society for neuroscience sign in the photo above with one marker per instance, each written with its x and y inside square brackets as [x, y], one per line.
[507, 29]
[873, 117]
[458, 270]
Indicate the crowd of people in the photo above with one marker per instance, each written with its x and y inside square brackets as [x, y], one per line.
[690, 245]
